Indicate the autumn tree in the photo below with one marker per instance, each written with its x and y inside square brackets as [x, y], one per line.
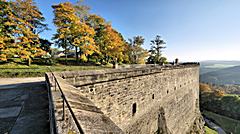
[64, 15]
[8, 30]
[110, 42]
[71, 31]
[98, 24]
[82, 11]
[219, 93]
[114, 45]
[5, 30]
[28, 18]
[17, 31]
[204, 87]
[157, 45]
[28, 11]
[137, 54]
[83, 38]
[111, 45]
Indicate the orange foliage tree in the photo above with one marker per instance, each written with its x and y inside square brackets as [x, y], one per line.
[204, 87]
[113, 44]
[110, 43]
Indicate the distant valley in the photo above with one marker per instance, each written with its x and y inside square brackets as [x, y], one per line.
[220, 72]
[219, 98]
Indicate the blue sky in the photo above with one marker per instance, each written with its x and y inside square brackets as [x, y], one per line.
[194, 30]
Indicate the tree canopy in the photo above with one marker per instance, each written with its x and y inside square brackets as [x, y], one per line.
[136, 53]
[93, 38]
[157, 45]
[20, 24]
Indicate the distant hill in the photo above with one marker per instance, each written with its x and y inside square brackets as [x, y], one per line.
[214, 65]
[229, 75]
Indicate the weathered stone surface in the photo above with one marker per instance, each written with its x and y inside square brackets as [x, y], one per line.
[198, 126]
[152, 99]
[91, 118]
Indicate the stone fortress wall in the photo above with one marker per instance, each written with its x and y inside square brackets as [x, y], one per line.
[144, 100]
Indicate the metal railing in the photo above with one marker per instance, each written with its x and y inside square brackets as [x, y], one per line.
[64, 100]
[53, 129]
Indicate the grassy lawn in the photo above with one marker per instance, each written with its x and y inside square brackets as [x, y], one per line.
[228, 124]
[209, 130]
[18, 70]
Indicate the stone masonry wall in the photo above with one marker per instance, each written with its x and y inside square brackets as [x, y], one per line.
[144, 100]
[90, 119]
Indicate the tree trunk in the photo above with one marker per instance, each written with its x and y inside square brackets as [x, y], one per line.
[65, 56]
[29, 61]
[88, 58]
[65, 47]
[80, 53]
[76, 54]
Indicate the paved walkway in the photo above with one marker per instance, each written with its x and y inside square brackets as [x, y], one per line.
[214, 126]
[9, 81]
[24, 106]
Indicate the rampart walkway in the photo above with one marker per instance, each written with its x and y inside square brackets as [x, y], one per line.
[24, 106]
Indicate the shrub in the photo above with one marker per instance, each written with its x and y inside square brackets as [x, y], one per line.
[219, 93]
[204, 87]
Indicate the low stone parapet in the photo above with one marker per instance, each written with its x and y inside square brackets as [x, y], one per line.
[90, 119]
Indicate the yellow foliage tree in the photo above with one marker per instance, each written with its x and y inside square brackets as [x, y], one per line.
[17, 36]
[110, 43]
[6, 30]
[83, 38]
[74, 31]
[114, 44]
[3, 56]
[28, 18]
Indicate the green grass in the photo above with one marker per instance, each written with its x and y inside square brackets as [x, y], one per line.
[209, 130]
[17, 70]
[228, 124]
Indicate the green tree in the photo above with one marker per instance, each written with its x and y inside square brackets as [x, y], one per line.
[45, 44]
[157, 45]
[137, 54]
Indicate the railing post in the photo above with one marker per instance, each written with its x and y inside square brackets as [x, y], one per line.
[63, 105]
[55, 84]
[52, 77]
[63, 116]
